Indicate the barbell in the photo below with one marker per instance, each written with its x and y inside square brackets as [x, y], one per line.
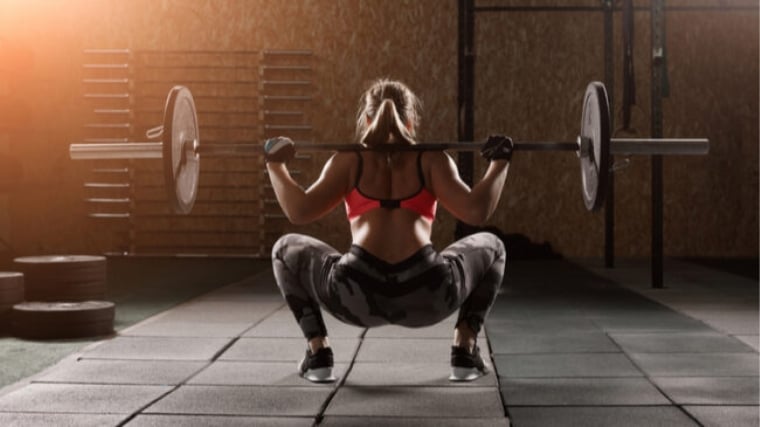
[181, 149]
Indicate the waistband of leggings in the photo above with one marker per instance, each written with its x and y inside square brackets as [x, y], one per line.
[424, 254]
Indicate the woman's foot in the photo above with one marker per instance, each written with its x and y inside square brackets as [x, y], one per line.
[317, 366]
[466, 364]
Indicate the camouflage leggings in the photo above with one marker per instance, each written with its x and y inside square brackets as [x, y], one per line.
[363, 290]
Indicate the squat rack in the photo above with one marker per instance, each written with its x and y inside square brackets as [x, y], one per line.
[466, 124]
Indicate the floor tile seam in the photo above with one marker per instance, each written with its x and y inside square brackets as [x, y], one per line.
[218, 415]
[689, 333]
[715, 333]
[176, 387]
[729, 405]
[660, 390]
[23, 382]
[294, 361]
[173, 388]
[597, 405]
[179, 336]
[631, 376]
[680, 353]
[319, 417]
[113, 384]
[166, 312]
[411, 417]
[495, 371]
[711, 377]
[564, 353]
[580, 378]
[624, 406]
[63, 413]
[670, 305]
[453, 386]
[161, 359]
[259, 321]
[705, 376]
[253, 386]
[397, 338]
[545, 353]
[268, 361]
[705, 353]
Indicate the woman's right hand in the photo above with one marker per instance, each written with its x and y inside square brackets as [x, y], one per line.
[498, 147]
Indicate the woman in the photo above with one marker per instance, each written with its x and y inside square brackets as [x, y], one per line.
[391, 273]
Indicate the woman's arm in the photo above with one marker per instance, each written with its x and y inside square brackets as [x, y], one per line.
[474, 205]
[304, 206]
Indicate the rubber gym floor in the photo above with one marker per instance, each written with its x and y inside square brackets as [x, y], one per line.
[210, 342]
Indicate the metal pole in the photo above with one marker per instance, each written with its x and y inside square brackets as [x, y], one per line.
[609, 81]
[658, 73]
[466, 98]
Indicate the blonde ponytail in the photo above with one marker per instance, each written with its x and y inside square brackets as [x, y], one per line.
[386, 125]
[388, 113]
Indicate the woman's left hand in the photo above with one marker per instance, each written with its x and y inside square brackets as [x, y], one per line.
[279, 149]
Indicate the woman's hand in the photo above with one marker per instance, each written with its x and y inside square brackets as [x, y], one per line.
[279, 150]
[498, 147]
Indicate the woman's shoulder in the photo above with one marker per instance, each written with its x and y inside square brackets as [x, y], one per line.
[435, 159]
[344, 164]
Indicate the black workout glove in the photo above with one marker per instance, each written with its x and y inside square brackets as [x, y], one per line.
[279, 149]
[498, 147]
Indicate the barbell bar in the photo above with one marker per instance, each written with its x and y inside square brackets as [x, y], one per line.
[181, 149]
[619, 146]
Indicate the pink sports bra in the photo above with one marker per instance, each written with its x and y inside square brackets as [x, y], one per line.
[421, 202]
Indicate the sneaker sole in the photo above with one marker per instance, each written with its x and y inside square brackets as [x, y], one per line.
[320, 375]
[465, 374]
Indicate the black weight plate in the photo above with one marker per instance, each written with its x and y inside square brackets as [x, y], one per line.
[11, 278]
[61, 260]
[76, 288]
[73, 295]
[42, 320]
[47, 331]
[11, 288]
[181, 163]
[5, 322]
[10, 297]
[63, 282]
[63, 277]
[595, 128]
[65, 312]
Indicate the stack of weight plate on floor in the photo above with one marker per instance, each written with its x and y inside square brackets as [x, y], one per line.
[63, 298]
[11, 293]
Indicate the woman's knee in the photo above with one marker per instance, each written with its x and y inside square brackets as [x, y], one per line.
[487, 239]
[284, 243]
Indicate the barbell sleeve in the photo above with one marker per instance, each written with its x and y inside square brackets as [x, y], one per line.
[118, 150]
[660, 146]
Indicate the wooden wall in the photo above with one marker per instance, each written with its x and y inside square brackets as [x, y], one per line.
[531, 71]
